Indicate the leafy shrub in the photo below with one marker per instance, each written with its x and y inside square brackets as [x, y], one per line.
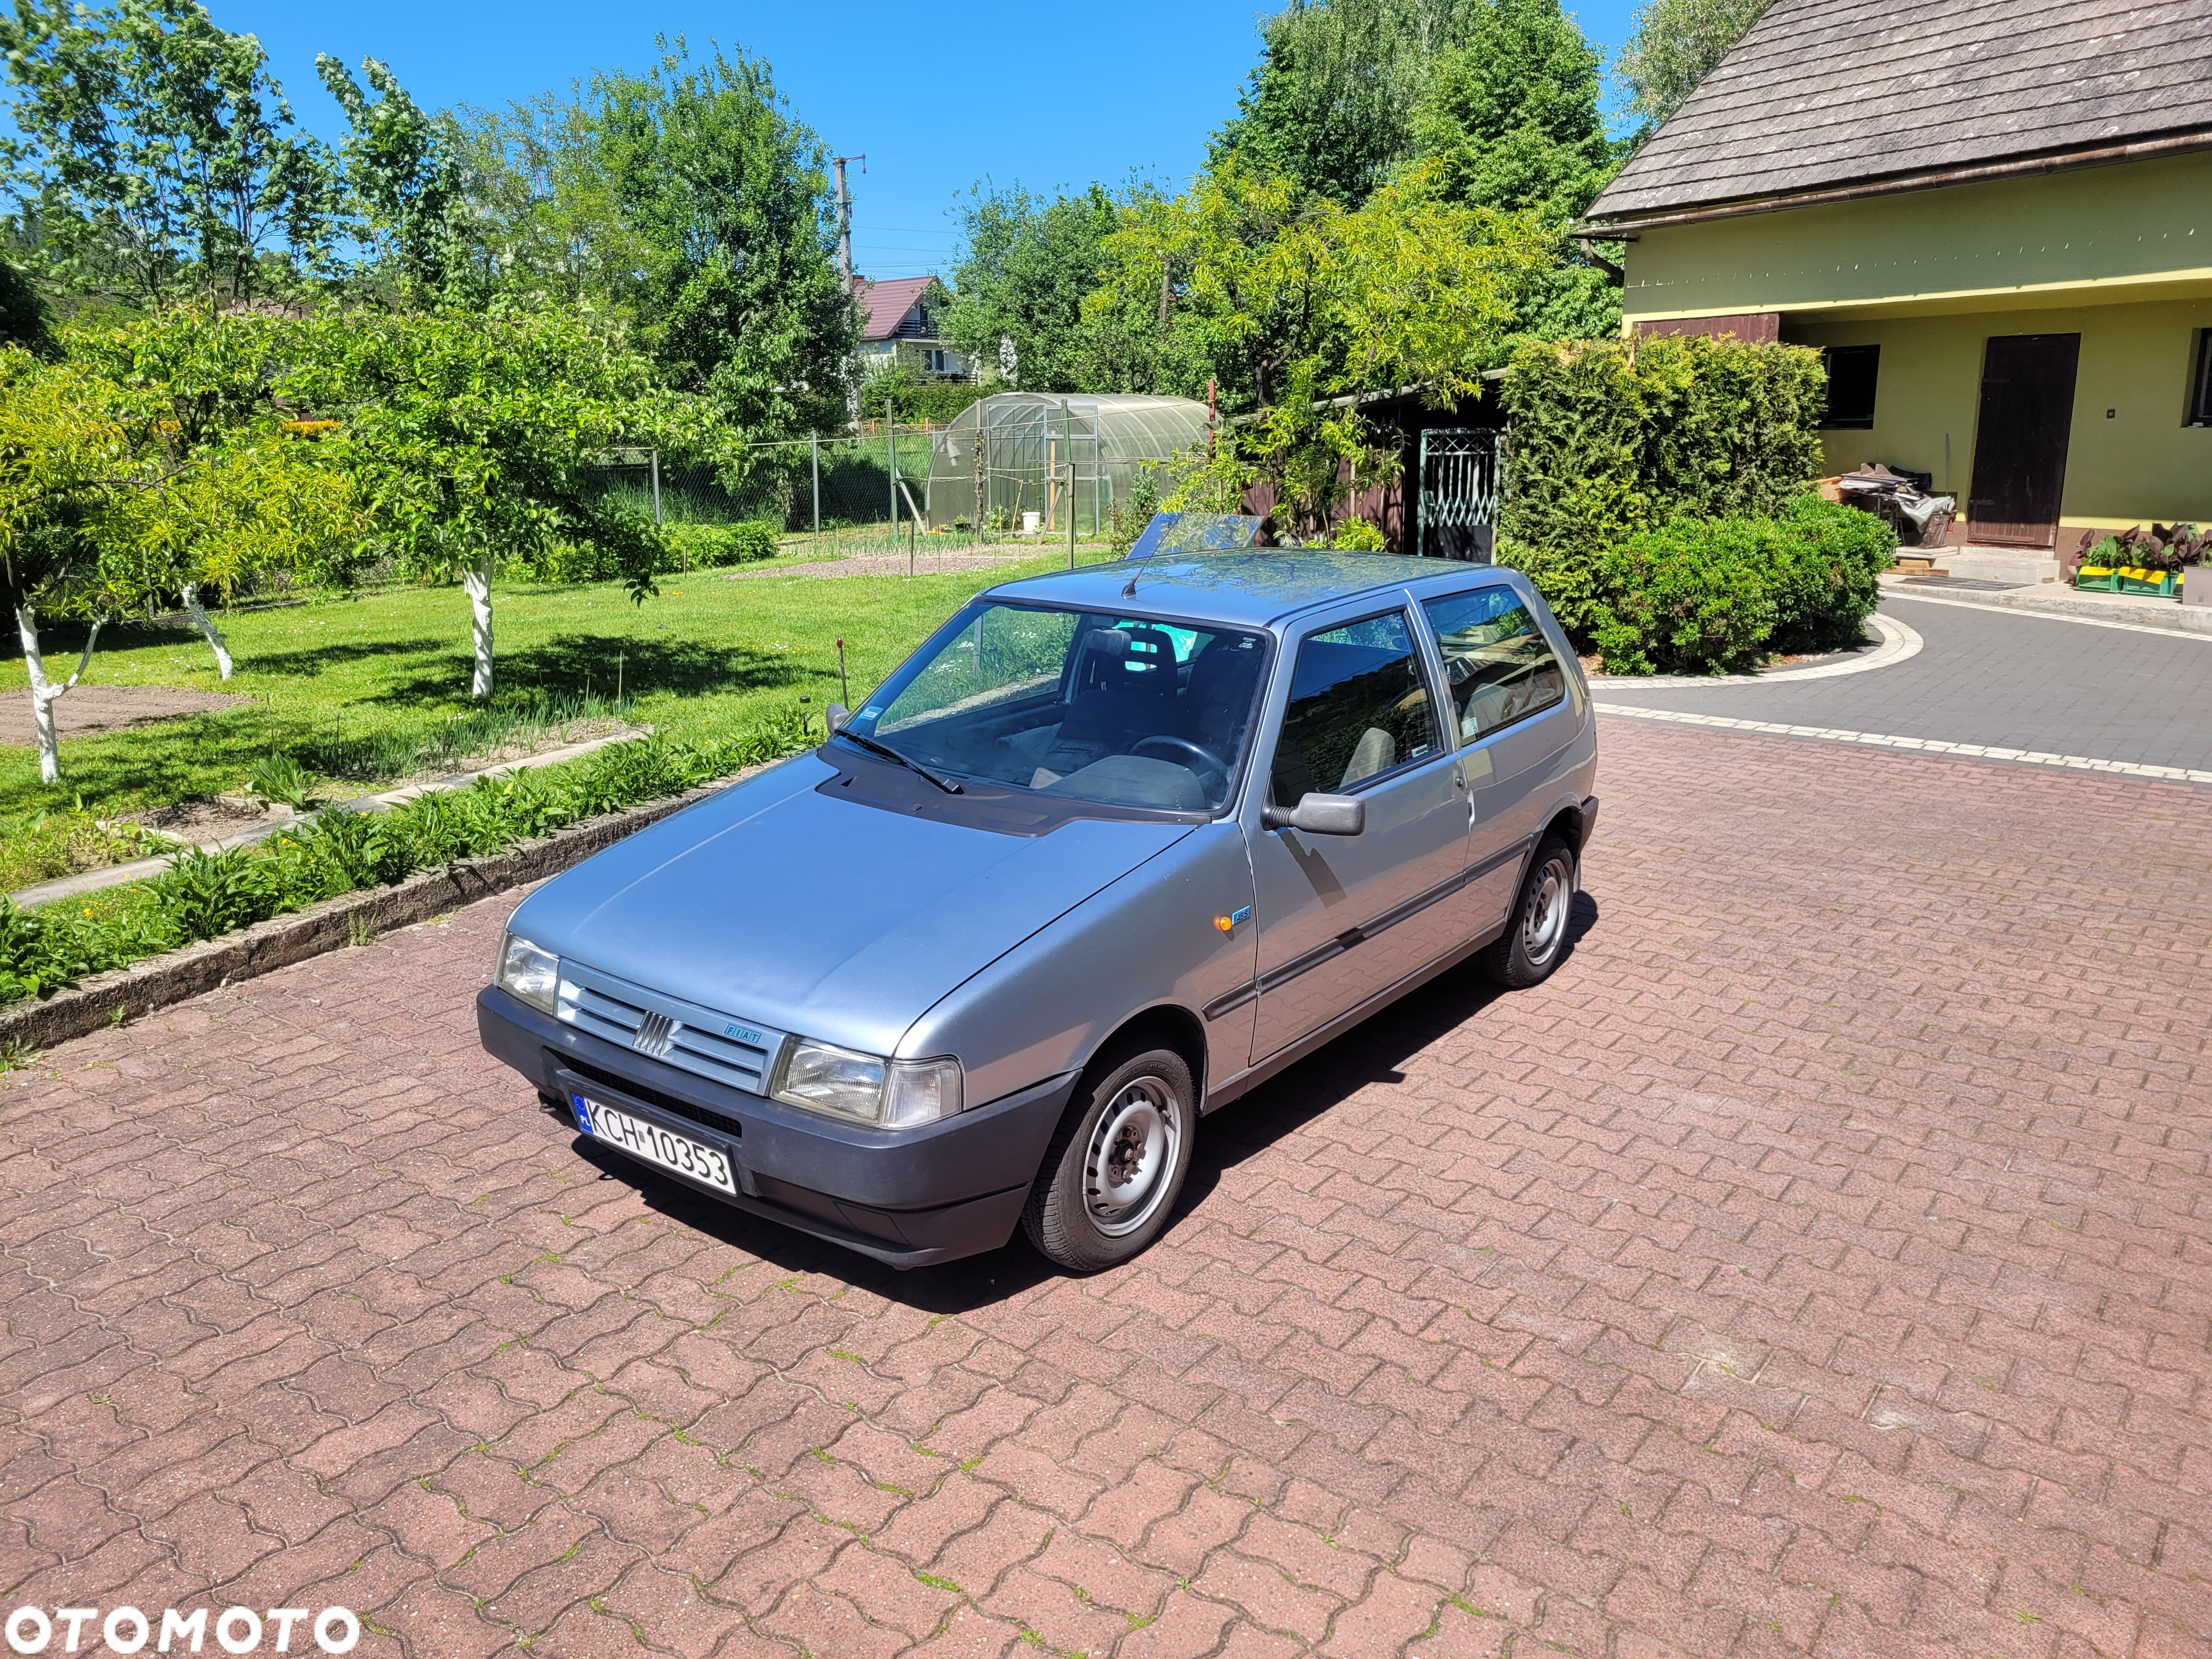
[278, 777]
[203, 895]
[1357, 536]
[1126, 519]
[1713, 595]
[1568, 578]
[708, 545]
[1825, 584]
[1691, 598]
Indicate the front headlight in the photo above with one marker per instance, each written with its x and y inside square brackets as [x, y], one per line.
[898, 1094]
[527, 973]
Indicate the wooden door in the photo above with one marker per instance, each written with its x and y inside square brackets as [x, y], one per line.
[2019, 442]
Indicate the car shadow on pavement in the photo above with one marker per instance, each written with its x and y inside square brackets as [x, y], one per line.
[1373, 1052]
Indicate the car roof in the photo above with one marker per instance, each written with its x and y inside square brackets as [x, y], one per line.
[1246, 590]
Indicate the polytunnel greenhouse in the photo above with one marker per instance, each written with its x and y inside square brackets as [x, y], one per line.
[1010, 453]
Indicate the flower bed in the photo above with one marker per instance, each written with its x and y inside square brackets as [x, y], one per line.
[204, 895]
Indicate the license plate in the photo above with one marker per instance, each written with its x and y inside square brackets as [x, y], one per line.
[654, 1145]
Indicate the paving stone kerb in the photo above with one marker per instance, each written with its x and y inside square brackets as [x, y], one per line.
[1821, 1262]
[157, 982]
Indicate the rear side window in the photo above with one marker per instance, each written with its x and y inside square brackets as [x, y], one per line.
[1358, 708]
[1495, 660]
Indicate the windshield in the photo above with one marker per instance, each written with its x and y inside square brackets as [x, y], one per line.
[1118, 709]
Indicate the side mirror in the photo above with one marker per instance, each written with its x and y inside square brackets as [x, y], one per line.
[1320, 815]
[836, 717]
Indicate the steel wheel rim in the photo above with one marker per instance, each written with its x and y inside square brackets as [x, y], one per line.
[1546, 923]
[1131, 1152]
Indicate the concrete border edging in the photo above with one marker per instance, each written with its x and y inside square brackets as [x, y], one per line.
[2153, 616]
[156, 982]
[1898, 642]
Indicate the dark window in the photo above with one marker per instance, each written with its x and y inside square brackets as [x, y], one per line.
[1495, 660]
[1358, 707]
[2200, 385]
[1851, 373]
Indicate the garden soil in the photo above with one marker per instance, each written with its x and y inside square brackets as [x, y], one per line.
[106, 709]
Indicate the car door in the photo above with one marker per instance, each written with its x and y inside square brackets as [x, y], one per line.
[1342, 917]
[1510, 700]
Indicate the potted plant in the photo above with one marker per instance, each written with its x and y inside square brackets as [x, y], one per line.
[2100, 567]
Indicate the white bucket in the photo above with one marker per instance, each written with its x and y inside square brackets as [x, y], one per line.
[1032, 523]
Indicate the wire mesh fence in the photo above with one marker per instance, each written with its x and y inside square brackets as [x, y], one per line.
[890, 492]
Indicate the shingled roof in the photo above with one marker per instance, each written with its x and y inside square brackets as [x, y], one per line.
[1826, 94]
[884, 305]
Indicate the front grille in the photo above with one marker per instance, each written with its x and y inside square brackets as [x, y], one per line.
[652, 1096]
[680, 1034]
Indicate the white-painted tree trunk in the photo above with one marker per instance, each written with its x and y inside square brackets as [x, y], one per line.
[476, 580]
[205, 623]
[45, 693]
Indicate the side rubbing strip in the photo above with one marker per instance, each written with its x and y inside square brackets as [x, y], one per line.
[1336, 947]
[1504, 856]
[1234, 1000]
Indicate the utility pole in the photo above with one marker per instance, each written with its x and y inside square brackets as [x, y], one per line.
[845, 274]
[845, 218]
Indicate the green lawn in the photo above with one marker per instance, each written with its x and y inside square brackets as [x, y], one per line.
[710, 654]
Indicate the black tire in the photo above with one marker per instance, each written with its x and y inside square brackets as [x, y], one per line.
[1535, 936]
[1143, 1110]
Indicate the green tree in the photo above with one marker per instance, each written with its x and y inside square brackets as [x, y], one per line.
[1308, 301]
[731, 271]
[1510, 116]
[104, 505]
[471, 437]
[156, 146]
[243, 489]
[542, 207]
[26, 320]
[1028, 264]
[406, 183]
[1510, 120]
[1331, 104]
[1676, 43]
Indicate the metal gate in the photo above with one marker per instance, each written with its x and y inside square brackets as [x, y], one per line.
[1462, 475]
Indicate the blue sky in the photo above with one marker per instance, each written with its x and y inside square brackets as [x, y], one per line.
[937, 97]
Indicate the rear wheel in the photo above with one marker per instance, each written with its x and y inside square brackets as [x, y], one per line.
[1536, 936]
[1115, 1163]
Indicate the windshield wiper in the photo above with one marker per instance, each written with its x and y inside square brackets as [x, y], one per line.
[911, 764]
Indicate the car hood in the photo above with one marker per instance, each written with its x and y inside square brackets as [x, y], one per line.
[777, 904]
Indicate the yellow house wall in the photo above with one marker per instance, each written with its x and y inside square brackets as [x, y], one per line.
[2140, 229]
[2137, 464]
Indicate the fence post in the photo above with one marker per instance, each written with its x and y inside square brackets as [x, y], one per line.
[814, 453]
[891, 429]
[1071, 509]
[655, 454]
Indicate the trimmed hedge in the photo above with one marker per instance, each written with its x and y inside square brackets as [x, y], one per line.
[202, 895]
[1714, 595]
[1605, 438]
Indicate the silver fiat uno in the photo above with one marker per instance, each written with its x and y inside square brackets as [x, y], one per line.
[1111, 849]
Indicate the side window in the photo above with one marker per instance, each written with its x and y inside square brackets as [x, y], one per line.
[1358, 708]
[1496, 661]
[1852, 373]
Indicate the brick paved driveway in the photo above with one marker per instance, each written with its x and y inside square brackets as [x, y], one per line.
[1822, 1260]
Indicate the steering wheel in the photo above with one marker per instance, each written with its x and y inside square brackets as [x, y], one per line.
[1204, 757]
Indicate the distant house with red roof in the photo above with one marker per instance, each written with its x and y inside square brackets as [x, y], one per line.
[898, 323]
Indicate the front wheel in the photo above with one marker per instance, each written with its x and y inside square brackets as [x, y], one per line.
[1115, 1163]
[1536, 936]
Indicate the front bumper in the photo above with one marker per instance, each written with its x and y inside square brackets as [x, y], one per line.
[909, 1197]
